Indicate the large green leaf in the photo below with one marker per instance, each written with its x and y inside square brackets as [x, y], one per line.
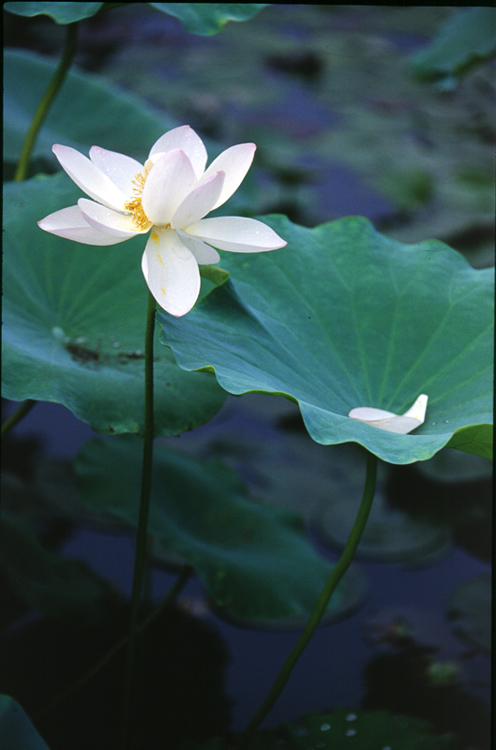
[345, 317]
[467, 39]
[197, 18]
[240, 549]
[16, 729]
[74, 321]
[62, 13]
[209, 18]
[87, 111]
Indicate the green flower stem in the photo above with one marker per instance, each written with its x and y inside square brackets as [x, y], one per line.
[322, 602]
[46, 102]
[142, 532]
[18, 415]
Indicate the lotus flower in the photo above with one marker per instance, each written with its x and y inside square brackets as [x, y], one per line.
[167, 197]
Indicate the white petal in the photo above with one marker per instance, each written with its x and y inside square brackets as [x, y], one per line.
[70, 224]
[188, 141]
[171, 272]
[369, 414]
[203, 253]
[107, 220]
[88, 177]
[121, 169]
[199, 202]
[237, 234]
[168, 183]
[235, 162]
[387, 420]
[417, 411]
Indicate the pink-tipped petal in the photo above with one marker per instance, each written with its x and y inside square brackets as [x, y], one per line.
[107, 220]
[199, 202]
[235, 162]
[171, 272]
[121, 169]
[89, 178]
[70, 224]
[168, 183]
[237, 234]
[188, 141]
[203, 253]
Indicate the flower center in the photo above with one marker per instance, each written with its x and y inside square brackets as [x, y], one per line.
[134, 205]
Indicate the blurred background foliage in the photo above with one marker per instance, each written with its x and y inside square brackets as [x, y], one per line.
[329, 94]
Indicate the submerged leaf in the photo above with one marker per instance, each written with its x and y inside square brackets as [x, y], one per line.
[240, 549]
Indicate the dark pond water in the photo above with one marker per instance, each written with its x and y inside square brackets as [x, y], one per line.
[353, 662]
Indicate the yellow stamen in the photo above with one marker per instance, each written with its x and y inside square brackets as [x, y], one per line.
[134, 205]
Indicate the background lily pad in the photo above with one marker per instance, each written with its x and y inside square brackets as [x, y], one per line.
[240, 549]
[124, 123]
[197, 18]
[466, 40]
[73, 324]
[345, 317]
[16, 729]
[209, 18]
[60, 12]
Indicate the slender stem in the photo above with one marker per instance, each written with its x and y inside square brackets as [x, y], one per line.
[322, 602]
[18, 415]
[44, 106]
[142, 532]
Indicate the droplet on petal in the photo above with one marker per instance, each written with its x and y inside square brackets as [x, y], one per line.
[387, 420]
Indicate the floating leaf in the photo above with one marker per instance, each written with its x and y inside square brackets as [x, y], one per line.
[344, 316]
[240, 549]
[16, 729]
[209, 18]
[467, 39]
[74, 321]
[62, 13]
